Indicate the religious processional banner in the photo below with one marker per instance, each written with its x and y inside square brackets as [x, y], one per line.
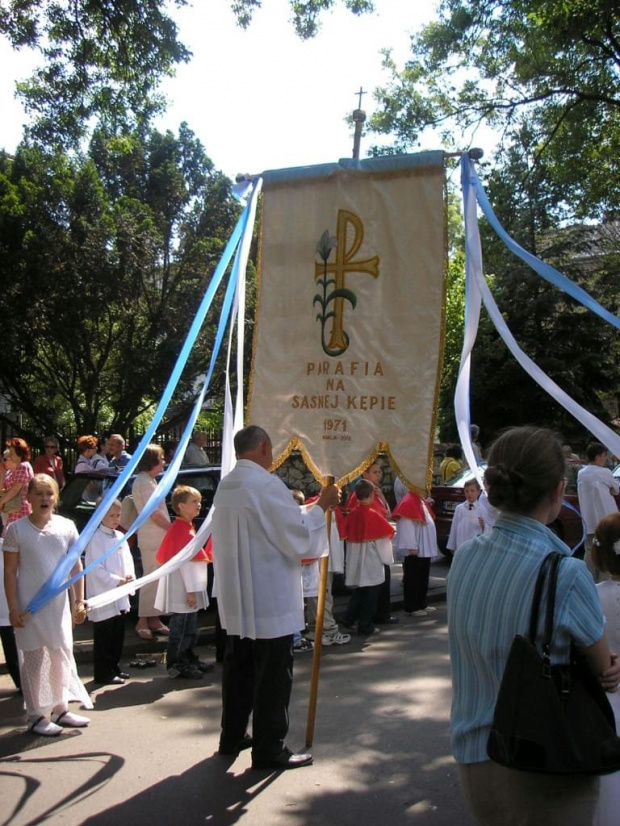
[349, 331]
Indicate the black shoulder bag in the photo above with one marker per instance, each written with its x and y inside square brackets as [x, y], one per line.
[551, 719]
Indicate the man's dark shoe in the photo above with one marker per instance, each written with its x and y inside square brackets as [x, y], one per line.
[285, 760]
[233, 749]
[112, 680]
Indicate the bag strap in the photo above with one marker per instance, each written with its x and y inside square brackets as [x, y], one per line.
[538, 590]
[549, 569]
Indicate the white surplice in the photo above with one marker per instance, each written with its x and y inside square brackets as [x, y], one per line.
[110, 573]
[260, 537]
[465, 525]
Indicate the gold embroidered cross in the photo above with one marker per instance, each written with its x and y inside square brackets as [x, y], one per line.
[343, 265]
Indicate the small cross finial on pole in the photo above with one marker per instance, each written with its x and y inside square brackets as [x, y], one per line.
[360, 93]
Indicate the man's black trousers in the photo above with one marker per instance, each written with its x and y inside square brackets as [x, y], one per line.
[257, 679]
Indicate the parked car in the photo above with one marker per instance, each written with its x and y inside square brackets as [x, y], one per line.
[77, 498]
[569, 526]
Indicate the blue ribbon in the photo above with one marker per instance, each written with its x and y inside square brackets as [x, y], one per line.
[58, 580]
[165, 483]
[548, 272]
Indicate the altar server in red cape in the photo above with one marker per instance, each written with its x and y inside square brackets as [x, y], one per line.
[183, 592]
[369, 548]
[416, 545]
[374, 475]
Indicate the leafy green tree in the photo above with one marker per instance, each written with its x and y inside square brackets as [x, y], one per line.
[306, 13]
[551, 68]
[102, 59]
[104, 260]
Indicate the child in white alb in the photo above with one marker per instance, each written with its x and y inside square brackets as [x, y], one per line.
[606, 557]
[109, 621]
[332, 635]
[416, 545]
[466, 519]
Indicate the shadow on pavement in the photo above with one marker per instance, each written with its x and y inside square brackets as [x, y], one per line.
[106, 766]
[206, 793]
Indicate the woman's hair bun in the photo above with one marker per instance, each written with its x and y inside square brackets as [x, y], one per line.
[525, 464]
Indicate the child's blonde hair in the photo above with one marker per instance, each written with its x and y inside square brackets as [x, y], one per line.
[43, 479]
[606, 544]
[181, 494]
[116, 502]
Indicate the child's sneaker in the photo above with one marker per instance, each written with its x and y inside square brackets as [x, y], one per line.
[185, 672]
[303, 645]
[337, 638]
[203, 666]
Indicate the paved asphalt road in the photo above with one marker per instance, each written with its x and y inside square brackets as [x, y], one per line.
[382, 747]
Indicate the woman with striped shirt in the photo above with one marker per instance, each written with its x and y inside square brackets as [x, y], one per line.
[490, 588]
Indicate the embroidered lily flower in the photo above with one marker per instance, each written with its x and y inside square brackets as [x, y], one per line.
[325, 245]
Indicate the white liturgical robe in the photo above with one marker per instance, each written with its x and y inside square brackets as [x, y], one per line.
[596, 488]
[260, 537]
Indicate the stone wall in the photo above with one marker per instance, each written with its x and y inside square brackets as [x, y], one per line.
[296, 476]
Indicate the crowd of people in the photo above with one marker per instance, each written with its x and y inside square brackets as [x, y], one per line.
[265, 547]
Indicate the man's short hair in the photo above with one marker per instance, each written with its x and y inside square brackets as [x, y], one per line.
[249, 438]
[595, 449]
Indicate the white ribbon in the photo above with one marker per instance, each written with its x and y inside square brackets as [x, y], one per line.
[476, 288]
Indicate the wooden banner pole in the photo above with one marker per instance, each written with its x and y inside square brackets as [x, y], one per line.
[318, 631]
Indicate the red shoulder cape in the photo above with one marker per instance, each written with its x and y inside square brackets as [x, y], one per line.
[377, 504]
[364, 524]
[176, 538]
[410, 507]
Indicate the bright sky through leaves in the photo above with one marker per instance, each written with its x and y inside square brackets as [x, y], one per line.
[263, 99]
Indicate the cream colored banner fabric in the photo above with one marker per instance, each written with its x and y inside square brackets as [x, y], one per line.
[348, 341]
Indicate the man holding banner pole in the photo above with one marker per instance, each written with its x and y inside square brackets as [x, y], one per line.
[260, 537]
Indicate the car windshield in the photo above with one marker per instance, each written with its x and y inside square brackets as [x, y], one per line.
[464, 475]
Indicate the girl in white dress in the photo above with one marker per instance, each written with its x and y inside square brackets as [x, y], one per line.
[33, 546]
[606, 555]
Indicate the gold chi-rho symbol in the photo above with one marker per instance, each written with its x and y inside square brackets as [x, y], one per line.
[332, 301]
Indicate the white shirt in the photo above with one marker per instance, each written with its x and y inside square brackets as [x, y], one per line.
[400, 489]
[195, 456]
[260, 537]
[109, 573]
[489, 513]
[596, 487]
